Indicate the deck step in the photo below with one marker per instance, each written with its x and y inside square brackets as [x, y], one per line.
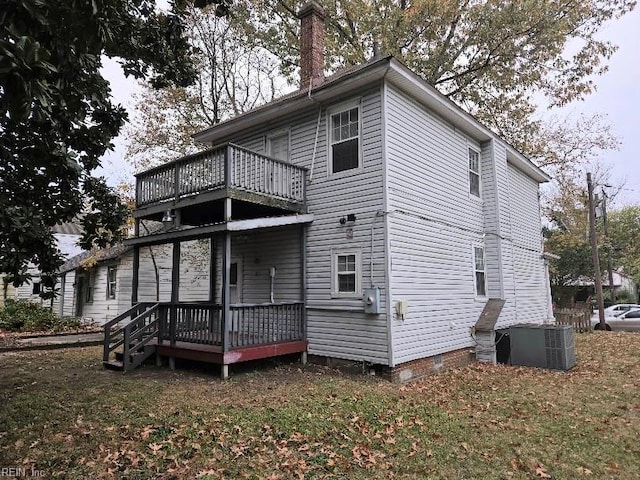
[113, 365]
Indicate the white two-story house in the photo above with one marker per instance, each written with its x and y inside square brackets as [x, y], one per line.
[363, 217]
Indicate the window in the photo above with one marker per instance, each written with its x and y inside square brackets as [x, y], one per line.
[345, 140]
[36, 288]
[233, 274]
[88, 294]
[112, 273]
[278, 146]
[346, 274]
[480, 274]
[474, 172]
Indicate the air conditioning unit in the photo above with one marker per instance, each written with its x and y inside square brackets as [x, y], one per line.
[543, 346]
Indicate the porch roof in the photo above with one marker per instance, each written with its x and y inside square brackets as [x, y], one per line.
[193, 233]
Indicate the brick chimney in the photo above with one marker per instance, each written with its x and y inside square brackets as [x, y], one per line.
[311, 17]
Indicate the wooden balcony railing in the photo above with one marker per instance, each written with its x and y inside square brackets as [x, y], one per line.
[227, 166]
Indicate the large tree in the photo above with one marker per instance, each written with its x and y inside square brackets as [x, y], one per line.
[57, 118]
[495, 58]
[234, 75]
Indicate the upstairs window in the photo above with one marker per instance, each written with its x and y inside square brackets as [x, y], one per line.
[474, 172]
[480, 271]
[345, 140]
[112, 273]
[278, 146]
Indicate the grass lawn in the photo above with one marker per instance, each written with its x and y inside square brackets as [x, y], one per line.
[64, 415]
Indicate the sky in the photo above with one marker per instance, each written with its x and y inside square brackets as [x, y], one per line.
[617, 96]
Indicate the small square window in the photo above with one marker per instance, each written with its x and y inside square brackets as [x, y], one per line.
[346, 274]
[474, 172]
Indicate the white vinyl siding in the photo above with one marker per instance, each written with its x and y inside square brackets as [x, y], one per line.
[433, 222]
[338, 327]
[529, 277]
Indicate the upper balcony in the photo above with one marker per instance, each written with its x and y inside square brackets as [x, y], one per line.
[196, 185]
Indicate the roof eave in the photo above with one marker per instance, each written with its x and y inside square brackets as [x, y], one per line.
[325, 92]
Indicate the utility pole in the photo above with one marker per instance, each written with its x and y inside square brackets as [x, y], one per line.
[612, 288]
[594, 252]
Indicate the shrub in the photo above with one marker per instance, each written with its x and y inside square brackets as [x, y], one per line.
[25, 316]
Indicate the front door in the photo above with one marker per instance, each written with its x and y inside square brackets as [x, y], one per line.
[80, 294]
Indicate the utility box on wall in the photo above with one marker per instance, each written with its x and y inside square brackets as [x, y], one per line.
[372, 300]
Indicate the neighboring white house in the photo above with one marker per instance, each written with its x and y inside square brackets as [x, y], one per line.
[408, 217]
[96, 286]
[67, 236]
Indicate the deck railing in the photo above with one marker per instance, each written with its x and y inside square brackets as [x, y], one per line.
[250, 324]
[227, 166]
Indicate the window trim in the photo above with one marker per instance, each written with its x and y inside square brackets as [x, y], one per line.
[338, 252]
[333, 110]
[111, 294]
[471, 148]
[275, 134]
[475, 271]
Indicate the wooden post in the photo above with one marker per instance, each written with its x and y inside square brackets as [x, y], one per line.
[136, 266]
[226, 291]
[605, 220]
[303, 278]
[212, 269]
[594, 253]
[175, 291]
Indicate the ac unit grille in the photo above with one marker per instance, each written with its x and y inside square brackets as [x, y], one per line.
[544, 346]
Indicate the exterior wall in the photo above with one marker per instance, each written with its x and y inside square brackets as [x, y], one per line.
[338, 327]
[258, 251]
[532, 291]
[434, 223]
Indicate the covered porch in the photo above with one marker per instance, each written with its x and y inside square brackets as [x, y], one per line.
[233, 288]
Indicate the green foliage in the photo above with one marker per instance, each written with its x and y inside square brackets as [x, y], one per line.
[575, 260]
[492, 57]
[25, 316]
[57, 118]
[624, 230]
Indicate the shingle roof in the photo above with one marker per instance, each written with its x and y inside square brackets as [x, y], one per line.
[101, 255]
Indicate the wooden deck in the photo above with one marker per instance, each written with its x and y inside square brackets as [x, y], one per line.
[214, 354]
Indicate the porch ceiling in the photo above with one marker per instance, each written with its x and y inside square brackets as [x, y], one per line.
[193, 233]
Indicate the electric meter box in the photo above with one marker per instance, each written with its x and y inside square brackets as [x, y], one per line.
[372, 300]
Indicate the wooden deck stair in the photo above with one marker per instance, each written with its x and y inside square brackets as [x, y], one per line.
[127, 346]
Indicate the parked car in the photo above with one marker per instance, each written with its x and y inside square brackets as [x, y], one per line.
[628, 321]
[618, 309]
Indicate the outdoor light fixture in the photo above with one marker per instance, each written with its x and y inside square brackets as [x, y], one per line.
[167, 218]
[349, 218]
